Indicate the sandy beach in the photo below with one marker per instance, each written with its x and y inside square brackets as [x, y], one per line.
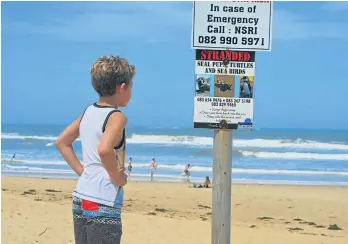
[39, 211]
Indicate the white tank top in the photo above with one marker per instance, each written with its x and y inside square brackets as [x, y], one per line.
[94, 184]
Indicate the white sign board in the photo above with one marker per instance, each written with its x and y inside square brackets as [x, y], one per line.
[210, 111]
[232, 25]
[211, 62]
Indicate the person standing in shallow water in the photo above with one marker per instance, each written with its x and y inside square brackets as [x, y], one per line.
[187, 170]
[98, 196]
[130, 167]
[152, 168]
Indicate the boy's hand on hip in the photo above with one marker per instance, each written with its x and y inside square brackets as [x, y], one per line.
[121, 178]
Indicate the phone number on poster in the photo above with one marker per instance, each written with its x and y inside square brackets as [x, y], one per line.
[250, 41]
[218, 102]
[219, 99]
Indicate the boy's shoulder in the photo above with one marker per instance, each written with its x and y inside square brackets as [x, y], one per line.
[117, 115]
[106, 115]
[116, 119]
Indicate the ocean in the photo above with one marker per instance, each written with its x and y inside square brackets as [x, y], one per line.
[265, 156]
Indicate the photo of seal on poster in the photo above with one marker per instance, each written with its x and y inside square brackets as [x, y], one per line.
[203, 85]
[224, 86]
[246, 87]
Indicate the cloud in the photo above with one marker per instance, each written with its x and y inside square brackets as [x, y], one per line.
[161, 22]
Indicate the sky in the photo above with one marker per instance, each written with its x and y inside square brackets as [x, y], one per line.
[48, 48]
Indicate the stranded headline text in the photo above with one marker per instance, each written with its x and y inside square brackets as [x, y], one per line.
[220, 55]
[229, 24]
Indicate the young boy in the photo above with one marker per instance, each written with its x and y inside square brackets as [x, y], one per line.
[98, 196]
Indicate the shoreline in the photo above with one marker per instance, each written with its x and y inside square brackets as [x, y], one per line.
[180, 180]
[170, 171]
[153, 210]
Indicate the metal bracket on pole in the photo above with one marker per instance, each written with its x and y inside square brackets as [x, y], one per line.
[226, 62]
[223, 124]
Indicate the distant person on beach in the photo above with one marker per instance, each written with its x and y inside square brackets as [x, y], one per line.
[206, 184]
[187, 171]
[130, 167]
[98, 196]
[152, 168]
[13, 156]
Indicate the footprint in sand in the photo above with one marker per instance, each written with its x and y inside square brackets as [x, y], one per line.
[294, 229]
[162, 210]
[203, 206]
[265, 218]
[320, 226]
[307, 222]
[52, 190]
[306, 233]
[310, 223]
[29, 192]
[298, 219]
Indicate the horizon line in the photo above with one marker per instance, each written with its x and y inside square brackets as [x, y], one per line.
[173, 127]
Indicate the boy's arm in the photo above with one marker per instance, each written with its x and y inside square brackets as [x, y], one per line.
[111, 137]
[64, 145]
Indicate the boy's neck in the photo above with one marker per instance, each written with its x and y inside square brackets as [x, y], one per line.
[109, 101]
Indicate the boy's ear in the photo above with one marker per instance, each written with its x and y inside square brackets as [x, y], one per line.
[123, 86]
[120, 87]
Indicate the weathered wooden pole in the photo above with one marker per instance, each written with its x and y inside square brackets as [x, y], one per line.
[221, 203]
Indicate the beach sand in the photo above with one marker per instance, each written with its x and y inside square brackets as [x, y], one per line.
[39, 211]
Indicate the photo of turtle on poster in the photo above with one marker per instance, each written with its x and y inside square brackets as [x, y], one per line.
[224, 86]
[246, 87]
[203, 85]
